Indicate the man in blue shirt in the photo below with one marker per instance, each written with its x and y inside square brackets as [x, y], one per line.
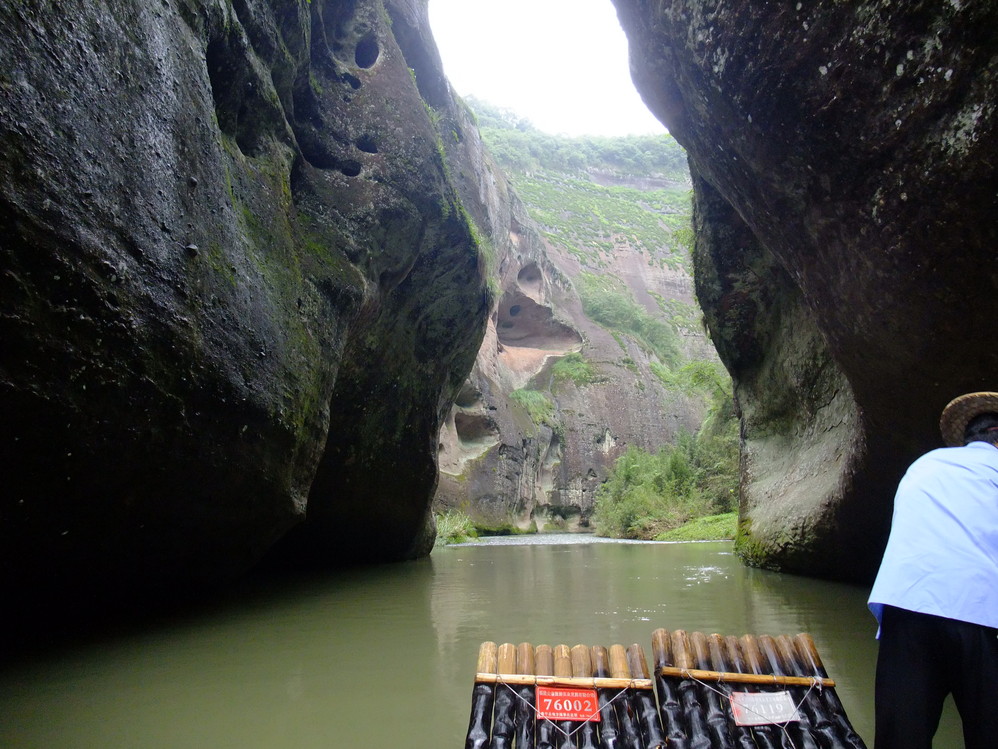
[936, 594]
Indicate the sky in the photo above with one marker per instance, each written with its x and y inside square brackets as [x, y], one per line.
[562, 64]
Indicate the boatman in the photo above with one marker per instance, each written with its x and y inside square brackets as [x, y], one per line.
[936, 594]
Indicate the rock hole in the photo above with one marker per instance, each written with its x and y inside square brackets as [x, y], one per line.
[367, 51]
[353, 80]
[468, 396]
[530, 279]
[474, 428]
[366, 144]
[350, 168]
[514, 310]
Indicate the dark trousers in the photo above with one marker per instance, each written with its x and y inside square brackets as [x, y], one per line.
[923, 658]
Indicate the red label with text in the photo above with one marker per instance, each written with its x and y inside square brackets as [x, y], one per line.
[555, 703]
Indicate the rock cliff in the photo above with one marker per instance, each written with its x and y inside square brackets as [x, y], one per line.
[238, 289]
[844, 168]
[535, 463]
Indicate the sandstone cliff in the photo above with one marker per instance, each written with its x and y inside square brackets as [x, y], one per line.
[238, 289]
[843, 160]
[536, 463]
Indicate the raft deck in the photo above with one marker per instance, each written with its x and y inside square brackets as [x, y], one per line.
[707, 691]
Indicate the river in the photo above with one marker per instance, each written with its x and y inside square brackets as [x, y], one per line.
[383, 657]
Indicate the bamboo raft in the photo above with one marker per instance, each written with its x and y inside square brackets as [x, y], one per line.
[689, 703]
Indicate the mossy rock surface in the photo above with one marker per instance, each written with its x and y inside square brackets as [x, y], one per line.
[842, 156]
[238, 289]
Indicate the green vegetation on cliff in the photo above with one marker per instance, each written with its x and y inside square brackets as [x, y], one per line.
[606, 300]
[454, 527]
[649, 495]
[580, 193]
[599, 201]
[589, 219]
[575, 368]
[520, 147]
[539, 407]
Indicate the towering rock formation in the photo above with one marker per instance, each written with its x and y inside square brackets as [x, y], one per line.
[844, 165]
[238, 290]
[509, 465]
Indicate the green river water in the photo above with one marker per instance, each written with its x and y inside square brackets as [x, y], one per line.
[384, 657]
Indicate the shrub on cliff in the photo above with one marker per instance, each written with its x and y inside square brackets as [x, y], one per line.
[574, 367]
[607, 301]
[648, 494]
[454, 527]
[537, 404]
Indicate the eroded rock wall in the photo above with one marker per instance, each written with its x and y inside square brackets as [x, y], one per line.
[238, 290]
[845, 172]
[507, 469]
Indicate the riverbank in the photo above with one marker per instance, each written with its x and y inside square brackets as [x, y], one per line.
[455, 527]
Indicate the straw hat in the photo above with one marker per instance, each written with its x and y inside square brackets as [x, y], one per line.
[960, 411]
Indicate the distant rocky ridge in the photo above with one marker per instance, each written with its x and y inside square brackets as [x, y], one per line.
[504, 468]
[844, 170]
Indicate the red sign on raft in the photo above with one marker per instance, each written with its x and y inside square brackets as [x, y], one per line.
[555, 703]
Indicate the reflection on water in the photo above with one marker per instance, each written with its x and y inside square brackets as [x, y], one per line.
[383, 657]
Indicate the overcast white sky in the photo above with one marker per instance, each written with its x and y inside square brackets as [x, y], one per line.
[562, 64]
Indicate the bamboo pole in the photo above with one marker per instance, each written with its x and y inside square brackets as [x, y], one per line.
[544, 660]
[715, 702]
[811, 703]
[482, 700]
[673, 719]
[547, 734]
[800, 729]
[526, 719]
[689, 692]
[545, 680]
[767, 736]
[763, 737]
[582, 667]
[732, 677]
[630, 733]
[563, 661]
[563, 670]
[741, 736]
[619, 668]
[506, 660]
[609, 730]
[812, 663]
[644, 702]
[505, 701]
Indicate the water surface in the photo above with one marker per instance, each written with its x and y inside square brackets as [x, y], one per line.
[384, 657]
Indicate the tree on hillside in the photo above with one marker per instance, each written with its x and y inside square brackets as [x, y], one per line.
[520, 147]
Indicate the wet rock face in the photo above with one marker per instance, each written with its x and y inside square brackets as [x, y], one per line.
[237, 289]
[844, 156]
